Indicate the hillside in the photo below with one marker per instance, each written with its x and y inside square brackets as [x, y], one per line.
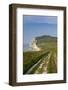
[46, 42]
[46, 38]
[43, 61]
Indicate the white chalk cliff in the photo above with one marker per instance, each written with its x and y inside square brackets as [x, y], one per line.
[33, 45]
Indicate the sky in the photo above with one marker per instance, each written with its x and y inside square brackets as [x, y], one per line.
[37, 26]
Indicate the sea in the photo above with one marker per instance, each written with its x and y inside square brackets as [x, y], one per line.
[26, 47]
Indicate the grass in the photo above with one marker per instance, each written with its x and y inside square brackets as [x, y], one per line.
[38, 60]
[30, 58]
[52, 65]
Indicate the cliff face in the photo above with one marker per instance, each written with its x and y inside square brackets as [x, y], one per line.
[33, 45]
[42, 42]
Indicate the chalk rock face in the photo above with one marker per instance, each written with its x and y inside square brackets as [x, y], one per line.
[33, 45]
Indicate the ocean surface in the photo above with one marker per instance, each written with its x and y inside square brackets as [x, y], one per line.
[26, 47]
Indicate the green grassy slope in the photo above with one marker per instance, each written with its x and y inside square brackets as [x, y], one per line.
[46, 42]
[33, 60]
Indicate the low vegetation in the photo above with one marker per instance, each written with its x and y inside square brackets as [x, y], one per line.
[44, 61]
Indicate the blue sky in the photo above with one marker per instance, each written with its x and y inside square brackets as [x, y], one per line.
[38, 26]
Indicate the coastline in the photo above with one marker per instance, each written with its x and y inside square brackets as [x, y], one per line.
[34, 46]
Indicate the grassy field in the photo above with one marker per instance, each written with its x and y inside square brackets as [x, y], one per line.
[44, 61]
[31, 58]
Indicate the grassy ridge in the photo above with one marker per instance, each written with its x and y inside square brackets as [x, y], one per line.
[30, 58]
[39, 60]
[52, 65]
[33, 57]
